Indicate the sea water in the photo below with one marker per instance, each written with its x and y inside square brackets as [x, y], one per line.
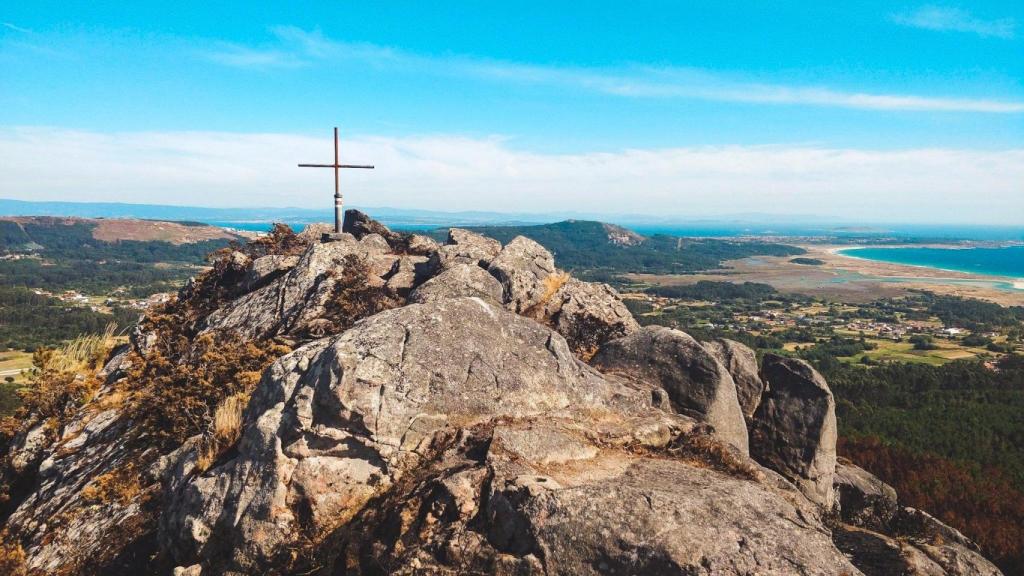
[1005, 261]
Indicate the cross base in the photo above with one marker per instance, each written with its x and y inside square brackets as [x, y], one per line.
[336, 237]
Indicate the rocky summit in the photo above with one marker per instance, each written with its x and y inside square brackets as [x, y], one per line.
[381, 403]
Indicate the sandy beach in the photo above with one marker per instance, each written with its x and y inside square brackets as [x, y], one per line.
[853, 279]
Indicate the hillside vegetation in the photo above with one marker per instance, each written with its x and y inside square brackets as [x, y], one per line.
[29, 320]
[88, 255]
[596, 247]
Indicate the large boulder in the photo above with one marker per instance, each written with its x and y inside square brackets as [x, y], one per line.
[696, 383]
[359, 224]
[462, 280]
[864, 500]
[527, 273]
[587, 314]
[465, 247]
[794, 429]
[548, 496]
[340, 420]
[741, 362]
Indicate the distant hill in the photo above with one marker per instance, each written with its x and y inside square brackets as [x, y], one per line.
[99, 255]
[27, 230]
[599, 247]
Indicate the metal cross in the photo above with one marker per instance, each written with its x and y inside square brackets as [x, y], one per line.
[337, 190]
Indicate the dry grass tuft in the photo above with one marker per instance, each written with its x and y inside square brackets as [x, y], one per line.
[60, 381]
[83, 354]
[225, 430]
[227, 419]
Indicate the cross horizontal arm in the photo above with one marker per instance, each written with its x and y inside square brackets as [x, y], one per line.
[334, 166]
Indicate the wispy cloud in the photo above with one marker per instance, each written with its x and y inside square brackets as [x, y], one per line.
[244, 57]
[947, 19]
[297, 47]
[16, 28]
[449, 172]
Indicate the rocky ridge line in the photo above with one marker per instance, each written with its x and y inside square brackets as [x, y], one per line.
[469, 408]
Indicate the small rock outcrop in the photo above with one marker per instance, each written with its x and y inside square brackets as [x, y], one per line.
[527, 273]
[741, 362]
[458, 281]
[359, 224]
[696, 383]
[267, 268]
[465, 247]
[864, 500]
[794, 429]
[297, 301]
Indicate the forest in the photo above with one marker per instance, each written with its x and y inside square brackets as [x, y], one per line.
[583, 245]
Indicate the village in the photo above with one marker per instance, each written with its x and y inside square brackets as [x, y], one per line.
[793, 322]
[104, 304]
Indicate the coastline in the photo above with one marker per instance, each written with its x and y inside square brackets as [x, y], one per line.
[850, 278]
[850, 252]
[1013, 282]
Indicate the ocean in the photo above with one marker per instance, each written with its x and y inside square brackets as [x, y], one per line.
[1006, 261]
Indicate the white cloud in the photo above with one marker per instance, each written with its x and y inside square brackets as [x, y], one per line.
[304, 47]
[946, 19]
[451, 173]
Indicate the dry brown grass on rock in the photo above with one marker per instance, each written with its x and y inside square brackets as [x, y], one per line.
[703, 450]
[225, 430]
[281, 240]
[118, 486]
[182, 388]
[61, 380]
[355, 296]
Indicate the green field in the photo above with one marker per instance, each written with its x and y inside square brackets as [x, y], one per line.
[888, 350]
[11, 365]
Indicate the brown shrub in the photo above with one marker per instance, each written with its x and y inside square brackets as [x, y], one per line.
[355, 296]
[12, 556]
[118, 486]
[280, 240]
[182, 385]
[54, 393]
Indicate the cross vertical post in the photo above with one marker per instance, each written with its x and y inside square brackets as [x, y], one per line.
[338, 202]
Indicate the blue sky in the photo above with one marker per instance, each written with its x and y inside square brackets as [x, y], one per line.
[868, 110]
